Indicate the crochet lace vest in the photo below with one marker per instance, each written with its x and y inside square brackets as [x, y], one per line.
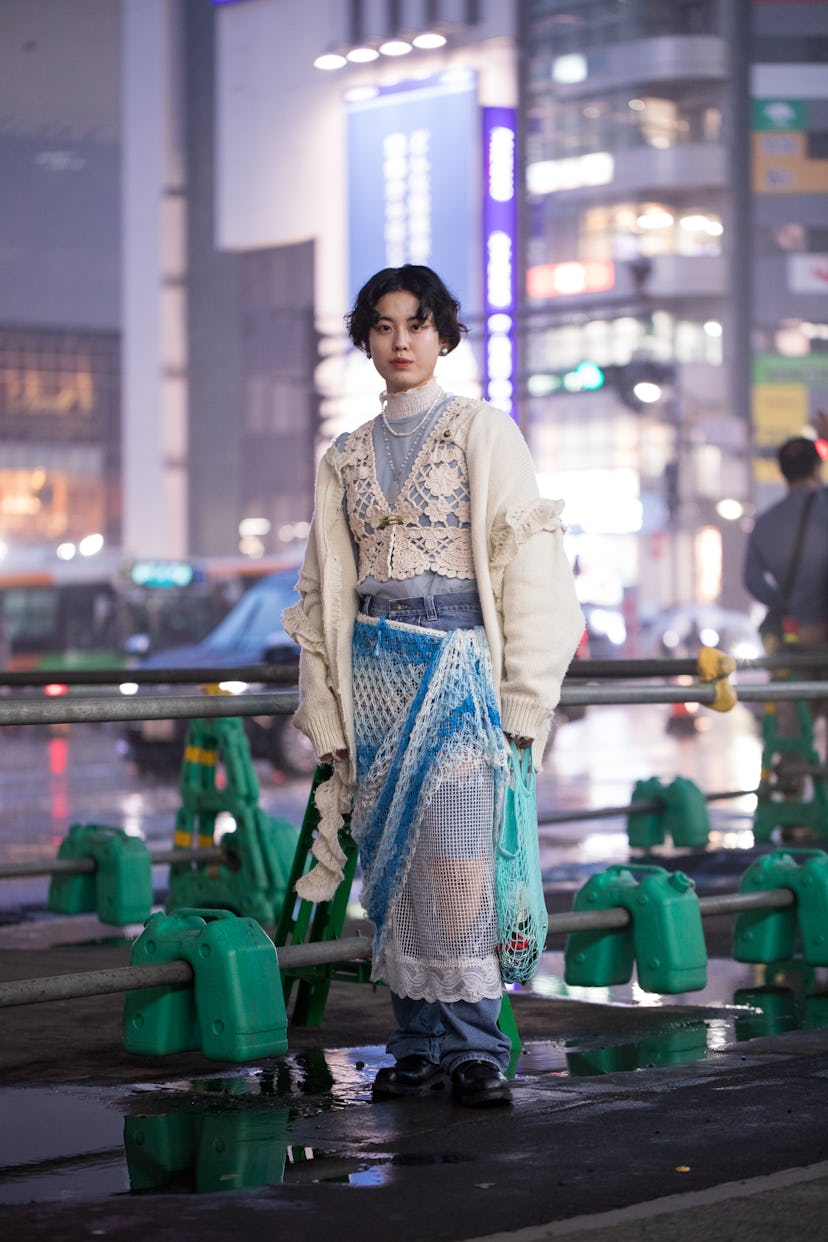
[428, 528]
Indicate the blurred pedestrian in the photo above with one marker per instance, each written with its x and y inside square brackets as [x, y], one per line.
[786, 565]
[437, 619]
[786, 562]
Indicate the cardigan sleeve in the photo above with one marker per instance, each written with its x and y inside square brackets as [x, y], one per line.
[318, 715]
[534, 588]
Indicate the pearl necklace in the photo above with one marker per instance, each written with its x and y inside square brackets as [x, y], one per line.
[403, 435]
[399, 475]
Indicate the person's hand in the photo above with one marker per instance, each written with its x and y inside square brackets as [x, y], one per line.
[522, 743]
[334, 756]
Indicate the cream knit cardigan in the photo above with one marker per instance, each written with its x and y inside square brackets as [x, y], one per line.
[531, 614]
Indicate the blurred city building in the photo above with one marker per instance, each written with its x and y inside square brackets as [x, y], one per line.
[673, 151]
[628, 196]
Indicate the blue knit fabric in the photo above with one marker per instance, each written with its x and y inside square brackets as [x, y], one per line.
[423, 703]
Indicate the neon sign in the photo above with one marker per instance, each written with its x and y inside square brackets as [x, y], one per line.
[500, 258]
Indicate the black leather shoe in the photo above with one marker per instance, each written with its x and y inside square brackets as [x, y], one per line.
[479, 1084]
[413, 1075]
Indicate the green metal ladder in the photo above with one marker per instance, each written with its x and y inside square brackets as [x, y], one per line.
[779, 806]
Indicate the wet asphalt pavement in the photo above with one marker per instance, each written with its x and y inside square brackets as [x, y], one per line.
[663, 1121]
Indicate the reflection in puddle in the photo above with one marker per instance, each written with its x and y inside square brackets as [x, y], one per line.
[249, 1128]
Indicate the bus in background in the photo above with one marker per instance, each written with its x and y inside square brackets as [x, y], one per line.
[106, 612]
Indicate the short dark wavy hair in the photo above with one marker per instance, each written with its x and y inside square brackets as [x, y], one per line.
[426, 286]
[798, 459]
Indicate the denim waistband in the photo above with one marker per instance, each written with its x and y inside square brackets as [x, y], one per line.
[431, 605]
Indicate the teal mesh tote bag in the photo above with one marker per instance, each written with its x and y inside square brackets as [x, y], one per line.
[522, 921]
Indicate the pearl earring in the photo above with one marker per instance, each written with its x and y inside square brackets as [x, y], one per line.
[443, 351]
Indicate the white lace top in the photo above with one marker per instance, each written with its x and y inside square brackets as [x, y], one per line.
[427, 528]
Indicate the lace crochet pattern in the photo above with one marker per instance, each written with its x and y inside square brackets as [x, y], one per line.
[431, 764]
[431, 526]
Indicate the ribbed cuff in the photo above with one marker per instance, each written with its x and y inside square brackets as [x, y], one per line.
[523, 717]
[325, 732]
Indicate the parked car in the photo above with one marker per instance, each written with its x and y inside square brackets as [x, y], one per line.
[250, 634]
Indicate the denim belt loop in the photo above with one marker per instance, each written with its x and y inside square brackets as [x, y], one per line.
[430, 608]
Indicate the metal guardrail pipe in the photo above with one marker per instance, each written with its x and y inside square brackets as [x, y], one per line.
[269, 674]
[81, 866]
[580, 670]
[187, 707]
[131, 978]
[148, 707]
[727, 903]
[775, 691]
[351, 948]
[286, 673]
[609, 812]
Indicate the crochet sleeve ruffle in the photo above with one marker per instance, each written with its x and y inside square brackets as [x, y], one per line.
[333, 801]
[299, 626]
[519, 524]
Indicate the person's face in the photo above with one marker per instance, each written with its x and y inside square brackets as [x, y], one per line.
[404, 348]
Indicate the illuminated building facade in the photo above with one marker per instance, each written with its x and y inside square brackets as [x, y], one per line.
[661, 191]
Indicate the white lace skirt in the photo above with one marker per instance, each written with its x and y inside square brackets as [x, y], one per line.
[431, 761]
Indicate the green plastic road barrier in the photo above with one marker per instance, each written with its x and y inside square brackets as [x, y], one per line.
[683, 814]
[252, 880]
[235, 1011]
[771, 935]
[664, 936]
[119, 889]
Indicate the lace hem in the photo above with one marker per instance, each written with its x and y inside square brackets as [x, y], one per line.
[466, 979]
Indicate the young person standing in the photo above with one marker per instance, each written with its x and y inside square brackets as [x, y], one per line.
[437, 619]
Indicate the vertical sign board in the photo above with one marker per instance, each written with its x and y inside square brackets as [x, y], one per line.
[500, 258]
[412, 181]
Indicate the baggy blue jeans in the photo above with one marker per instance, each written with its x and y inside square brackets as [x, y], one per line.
[446, 1032]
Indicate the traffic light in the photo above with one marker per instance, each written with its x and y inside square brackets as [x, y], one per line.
[585, 377]
[641, 383]
[638, 383]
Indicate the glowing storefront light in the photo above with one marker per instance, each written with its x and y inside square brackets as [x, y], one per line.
[730, 510]
[569, 69]
[395, 47]
[429, 40]
[598, 502]
[330, 60]
[90, 545]
[550, 176]
[655, 218]
[647, 392]
[551, 280]
[363, 55]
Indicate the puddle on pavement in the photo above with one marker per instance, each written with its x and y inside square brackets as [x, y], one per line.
[249, 1128]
